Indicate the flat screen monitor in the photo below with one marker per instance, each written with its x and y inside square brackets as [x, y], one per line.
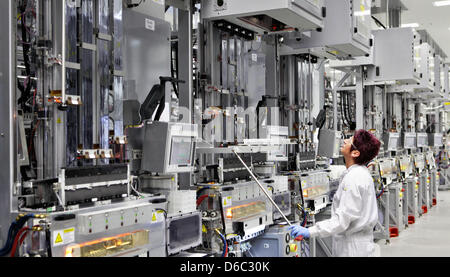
[410, 142]
[393, 143]
[422, 140]
[181, 151]
[438, 140]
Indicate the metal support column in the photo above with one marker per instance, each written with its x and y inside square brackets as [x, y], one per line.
[185, 58]
[185, 73]
[359, 99]
[7, 110]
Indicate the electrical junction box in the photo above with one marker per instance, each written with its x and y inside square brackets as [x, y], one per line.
[396, 56]
[267, 16]
[427, 67]
[346, 32]
[276, 242]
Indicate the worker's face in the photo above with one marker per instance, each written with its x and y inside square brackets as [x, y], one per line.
[346, 149]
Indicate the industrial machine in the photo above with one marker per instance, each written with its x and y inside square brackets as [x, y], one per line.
[346, 32]
[207, 127]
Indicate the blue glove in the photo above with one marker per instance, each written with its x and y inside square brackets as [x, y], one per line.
[297, 230]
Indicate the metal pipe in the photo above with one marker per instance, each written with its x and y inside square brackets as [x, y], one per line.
[262, 188]
[63, 53]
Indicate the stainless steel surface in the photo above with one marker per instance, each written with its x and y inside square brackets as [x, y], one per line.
[146, 54]
[7, 86]
[346, 32]
[303, 15]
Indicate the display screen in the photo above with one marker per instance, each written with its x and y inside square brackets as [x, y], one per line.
[393, 142]
[438, 140]
[422, 141]
[410, 142]
[181, 151]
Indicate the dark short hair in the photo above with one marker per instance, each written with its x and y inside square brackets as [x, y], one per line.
[367, 145]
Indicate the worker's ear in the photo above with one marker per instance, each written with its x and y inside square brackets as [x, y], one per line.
[355, 154]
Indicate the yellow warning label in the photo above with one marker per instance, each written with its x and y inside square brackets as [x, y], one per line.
[227, 201]
[58, 239]
[65, 236]
[58, 120]
[154, 217]
[204, 229]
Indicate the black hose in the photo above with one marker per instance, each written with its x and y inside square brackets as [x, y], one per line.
[48, 239]
[348, 110]
[221, 213]
[12, 233]
[378, 22]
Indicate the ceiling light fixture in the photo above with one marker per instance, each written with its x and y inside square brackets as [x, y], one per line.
[441, 3]
[412, 25]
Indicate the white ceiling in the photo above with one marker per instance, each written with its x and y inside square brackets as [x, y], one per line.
[436, 20]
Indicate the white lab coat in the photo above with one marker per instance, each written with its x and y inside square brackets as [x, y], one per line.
[354, 214]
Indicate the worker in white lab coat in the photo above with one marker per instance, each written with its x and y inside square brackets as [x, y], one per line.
[354, 210]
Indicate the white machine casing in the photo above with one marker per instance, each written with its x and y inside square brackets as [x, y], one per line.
[295, 14]
[346, 33]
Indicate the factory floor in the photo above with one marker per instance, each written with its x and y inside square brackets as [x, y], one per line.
[428, 237]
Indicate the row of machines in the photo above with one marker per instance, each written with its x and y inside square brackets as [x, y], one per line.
[125, 137]
[407, 181]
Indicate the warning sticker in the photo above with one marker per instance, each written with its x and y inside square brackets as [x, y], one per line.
[62, 237]
[227, 201]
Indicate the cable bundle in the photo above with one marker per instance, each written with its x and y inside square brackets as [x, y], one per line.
[16, 229]
[225, 244]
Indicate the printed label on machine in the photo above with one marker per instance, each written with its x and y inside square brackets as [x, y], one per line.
[149, 24]
[227, 201]
[62, 237]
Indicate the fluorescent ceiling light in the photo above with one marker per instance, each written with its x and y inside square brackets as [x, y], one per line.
[362, 13]
[413, 25]
[441, 3]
